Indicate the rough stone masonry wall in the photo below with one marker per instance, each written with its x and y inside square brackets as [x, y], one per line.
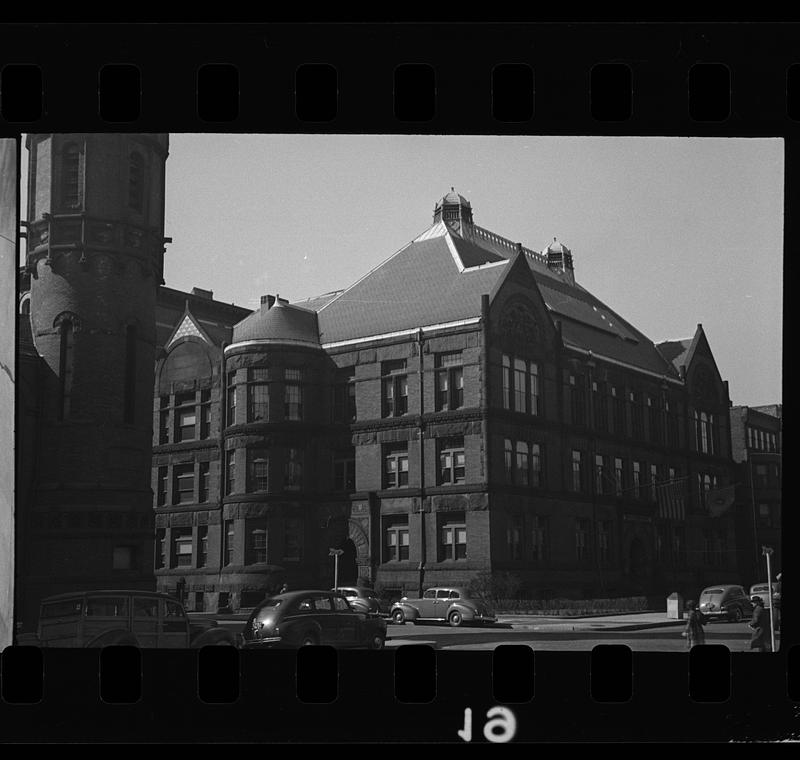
[8, 301]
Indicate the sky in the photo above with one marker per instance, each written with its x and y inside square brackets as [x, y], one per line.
[668, 232]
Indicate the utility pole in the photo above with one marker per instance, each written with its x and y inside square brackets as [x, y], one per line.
[335, 554]
[767, 551]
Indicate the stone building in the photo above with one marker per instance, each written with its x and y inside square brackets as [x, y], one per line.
[757, 438]
[466, 407]
[87, 340]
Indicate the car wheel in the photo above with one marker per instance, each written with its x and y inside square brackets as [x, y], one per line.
[377, 642]
[455, 618]
[309, 640]
[399, 617]
[736, 615]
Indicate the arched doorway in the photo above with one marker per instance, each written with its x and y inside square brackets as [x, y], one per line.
[348, 565]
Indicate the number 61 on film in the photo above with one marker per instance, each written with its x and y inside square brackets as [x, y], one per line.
[501, 725]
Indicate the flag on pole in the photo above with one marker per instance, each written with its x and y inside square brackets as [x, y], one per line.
[720, 500]
[670, 499]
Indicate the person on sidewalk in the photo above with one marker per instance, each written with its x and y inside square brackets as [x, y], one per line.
[694, 633]
[760, 641]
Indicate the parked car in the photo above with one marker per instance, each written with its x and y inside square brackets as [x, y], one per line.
[138, 618]
[762, 590]
[363, 599]
[304, 618]
[725, 601]
[447, 603]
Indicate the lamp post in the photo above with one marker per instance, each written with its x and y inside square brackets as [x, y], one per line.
[335, 554]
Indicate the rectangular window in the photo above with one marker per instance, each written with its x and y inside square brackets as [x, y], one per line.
[506, 382]
[654, 419]
[619, 410]
[257, 401]
[508, 450]
[229, 542]
[293, 395]
[257, 469]
[637, 422]
[520, 386]
[637, 480]
[292, 540]
[163, 423]
[581, 540]
[344, 471]
[256, 542]
[293, 474]
[600, 406]
[523, 465]
[395, 467]
[537, 480]
[202, 546]
[449, 381]
[764, 516]
[395, 388]
[185, 417]
[453, 538]
[344, 395]
[204, 482]
[619, 474]
[540, 541]
[396, 542]
[452, 462]
[231, 394]
[577, 474]
[762, 476]
[181, 547]
[183, 483]
[535, 394]
[600, 474]
[205, 413]
[653, 482]
[577, 399]
[162, 486]
[514, 537]
[230, 471]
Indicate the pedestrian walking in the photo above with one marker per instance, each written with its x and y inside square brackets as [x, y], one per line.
[760, 641]
[694, 633]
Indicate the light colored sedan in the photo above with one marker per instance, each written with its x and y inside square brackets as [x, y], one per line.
[444, 603]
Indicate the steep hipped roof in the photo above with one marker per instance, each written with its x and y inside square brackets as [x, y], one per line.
[423, 284]
[282, 322]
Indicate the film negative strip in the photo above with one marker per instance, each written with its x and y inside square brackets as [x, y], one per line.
[534, 558]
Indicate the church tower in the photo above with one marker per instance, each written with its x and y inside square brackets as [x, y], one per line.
[95, 236]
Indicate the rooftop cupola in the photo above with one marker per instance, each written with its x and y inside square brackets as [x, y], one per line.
[559, 259]
[455, 211]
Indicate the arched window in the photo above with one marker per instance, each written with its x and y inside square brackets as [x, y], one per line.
[25, 305]
[136, 182]
[130, 374]
[70, 176]
[65, 367]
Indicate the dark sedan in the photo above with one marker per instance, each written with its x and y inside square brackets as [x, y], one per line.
[308, 618]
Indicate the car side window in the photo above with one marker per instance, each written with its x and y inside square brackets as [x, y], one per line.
[442, 593]
[322, 604]
[455, 595]
[305, 605]
[145, 608]
[173, 610]
[107, 606]
[340, 604]
[429, 594]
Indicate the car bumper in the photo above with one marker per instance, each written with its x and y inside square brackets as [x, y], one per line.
[264, 643]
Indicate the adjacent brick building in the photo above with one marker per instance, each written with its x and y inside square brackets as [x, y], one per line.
[757, 438]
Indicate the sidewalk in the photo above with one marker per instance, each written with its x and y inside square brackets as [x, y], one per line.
[633, 621]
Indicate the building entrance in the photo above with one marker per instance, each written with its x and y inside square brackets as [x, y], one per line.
[348, 567]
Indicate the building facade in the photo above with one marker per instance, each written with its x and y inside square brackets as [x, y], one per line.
[757, 438]
[465, 408]
[95, 244]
